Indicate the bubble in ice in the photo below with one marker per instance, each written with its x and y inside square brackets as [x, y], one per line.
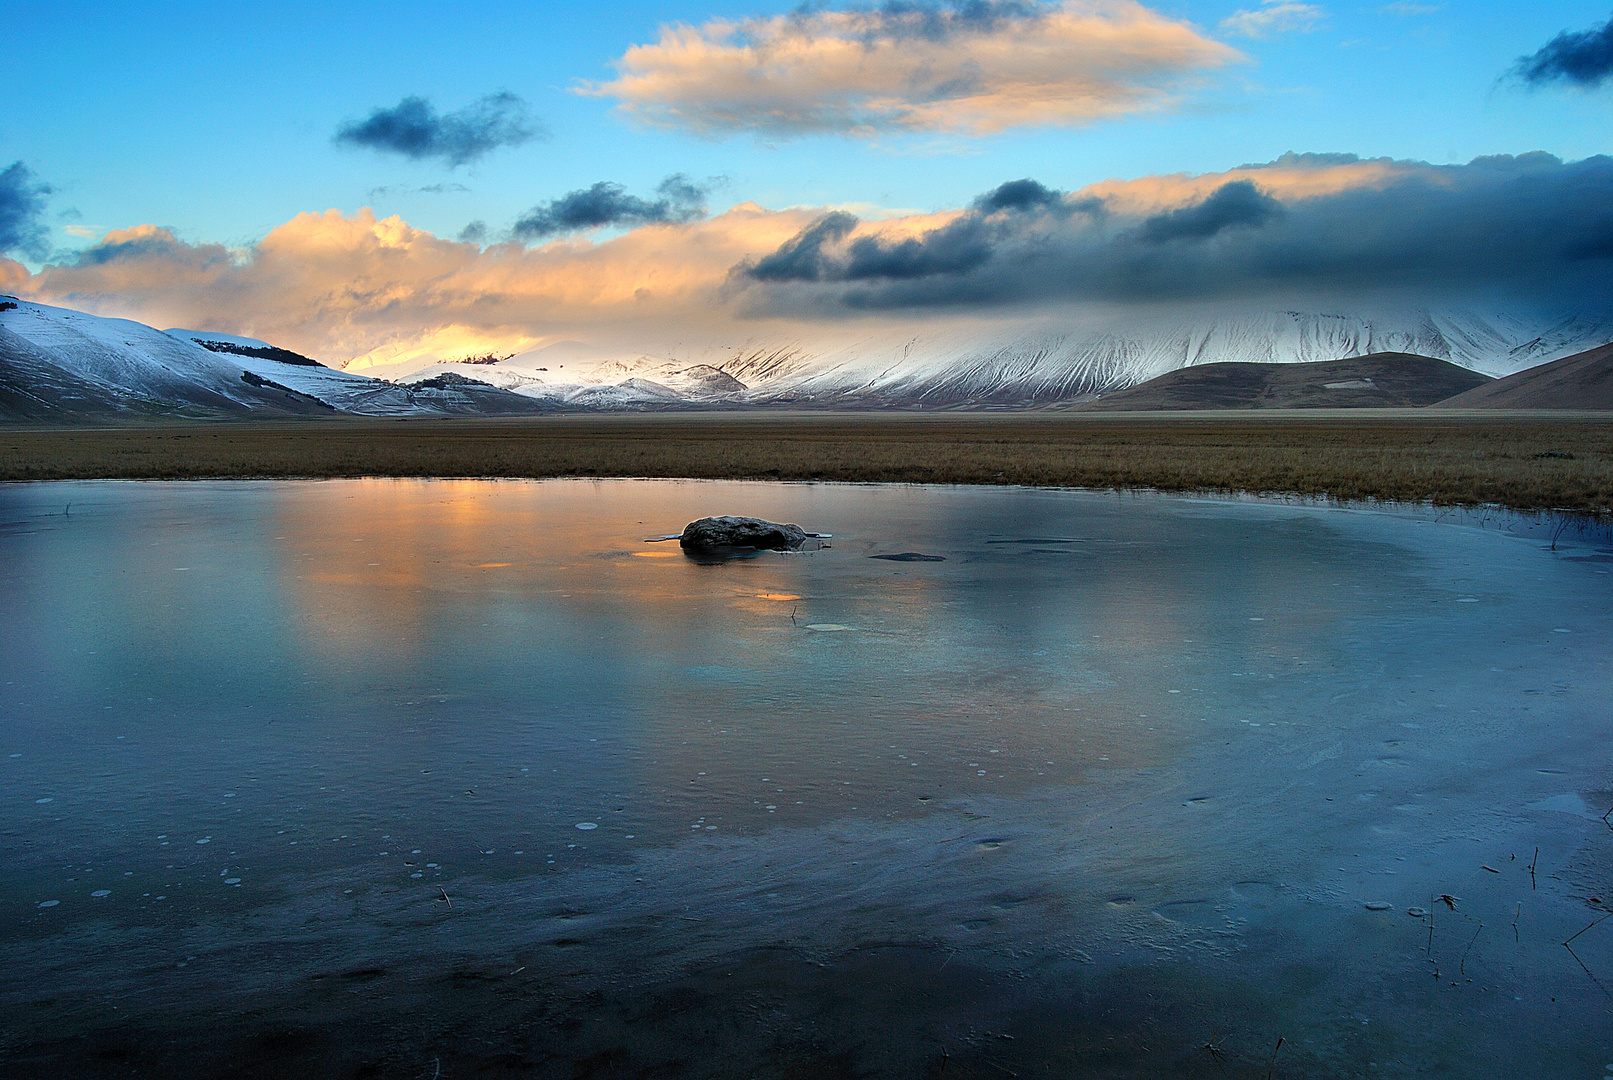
[101, 892]
[826, 627]
[1378, 905]
[42, 801]
[205, 840]
[586, 825]
[49, 903]
[232, 881]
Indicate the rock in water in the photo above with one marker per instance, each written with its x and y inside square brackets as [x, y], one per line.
[716, 534]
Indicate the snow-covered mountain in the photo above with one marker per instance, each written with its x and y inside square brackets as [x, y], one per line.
[1007, 365]
[59, 363]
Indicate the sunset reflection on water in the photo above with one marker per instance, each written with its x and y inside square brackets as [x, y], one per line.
[250, 718]
[472, 629]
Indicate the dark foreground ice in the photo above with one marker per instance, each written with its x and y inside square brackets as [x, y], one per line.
[430, 779]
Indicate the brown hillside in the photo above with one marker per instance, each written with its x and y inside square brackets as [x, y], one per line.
[1581, 381]
[1380, 380]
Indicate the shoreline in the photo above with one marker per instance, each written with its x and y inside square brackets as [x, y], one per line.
[1521, 461]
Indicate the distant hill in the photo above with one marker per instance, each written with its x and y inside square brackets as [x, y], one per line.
[1582, 381]
[1378, 381]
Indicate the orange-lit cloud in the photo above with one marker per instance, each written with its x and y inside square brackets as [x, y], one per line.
[379, 292]
[973, 70]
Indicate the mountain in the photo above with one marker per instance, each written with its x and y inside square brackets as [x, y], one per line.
[1381, 380]
[1581, 381]
[1009, 364]
[62, 365]
[59, 365]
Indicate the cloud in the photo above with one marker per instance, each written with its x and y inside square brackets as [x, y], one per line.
[1274, 17]
[1583, 58]
[387, 190]
[377, 291]
[414, 129]
[974, 68]
[958, 246]
[680, 200]
[1312, 231]
[1234, 204]
[22, 213]
[1312, 227]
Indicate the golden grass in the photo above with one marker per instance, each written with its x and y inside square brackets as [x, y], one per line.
[1445, 458]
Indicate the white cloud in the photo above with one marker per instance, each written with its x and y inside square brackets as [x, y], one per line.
[1274, 17]
[971, 70]
[379, 292]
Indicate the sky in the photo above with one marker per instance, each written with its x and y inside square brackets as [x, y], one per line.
[373, 181]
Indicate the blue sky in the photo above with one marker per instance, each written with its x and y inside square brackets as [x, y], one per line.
[660, 174]
[216, 119]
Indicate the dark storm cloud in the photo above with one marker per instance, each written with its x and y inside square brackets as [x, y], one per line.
[1232, 205]
[1528, 226]
[414, 129]
[1024, 194]
[1584, 58]
[22, 213]
[801, 258]
[679, 200]
[955, 248]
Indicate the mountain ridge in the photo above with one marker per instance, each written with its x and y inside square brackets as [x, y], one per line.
[59, 364]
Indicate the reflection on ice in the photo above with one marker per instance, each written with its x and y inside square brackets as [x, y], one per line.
[449, 764]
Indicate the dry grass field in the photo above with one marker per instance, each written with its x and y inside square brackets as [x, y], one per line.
[1522, 460]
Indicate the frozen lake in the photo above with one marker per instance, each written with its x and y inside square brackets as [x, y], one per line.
[409, 778]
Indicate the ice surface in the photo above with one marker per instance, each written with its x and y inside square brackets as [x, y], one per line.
[1083, 799]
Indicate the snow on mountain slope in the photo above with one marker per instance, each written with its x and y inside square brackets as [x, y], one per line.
[1029, 365]
[56, 363]
[1014, 364]
[342, 390]
[582, 376]
[76, 357]
[125, 365]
